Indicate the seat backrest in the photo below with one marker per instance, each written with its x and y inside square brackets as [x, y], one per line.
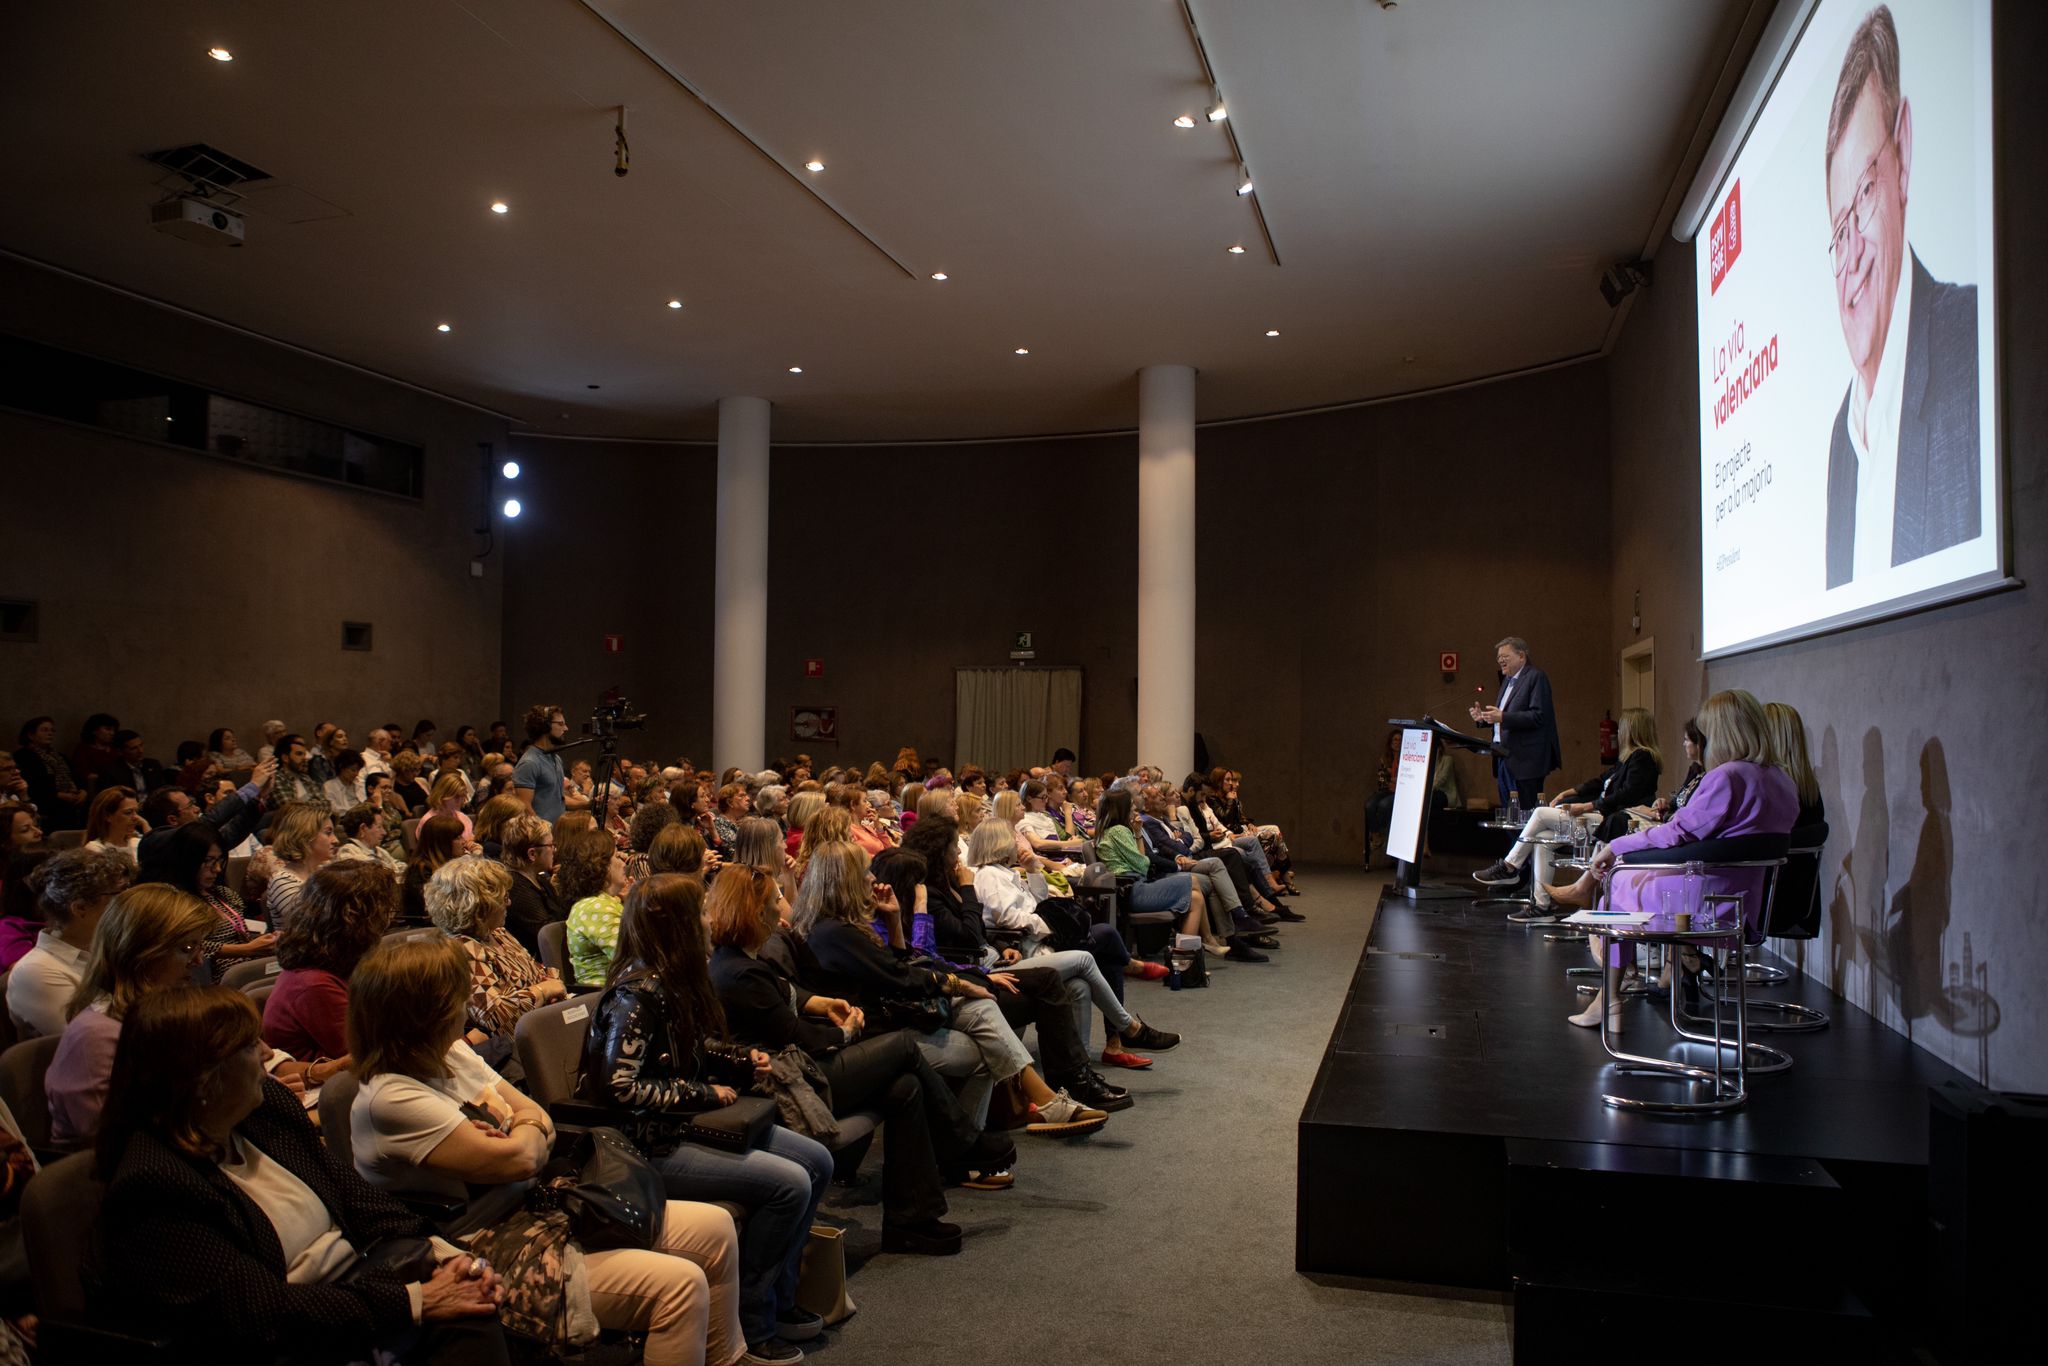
[337, 1095]
[238, 874]
[1732, 849]
[553, 942]
[1795, 911]
[21, 1086]
[399, 936]
[66, 839]
[549, 1042]
[259, 992]
[60, 1209]
[409, 834]
[245, 974]
[9, 1036]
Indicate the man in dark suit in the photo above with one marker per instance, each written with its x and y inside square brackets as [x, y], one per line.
[1903, 464]
[1523, 720]
[134, 769]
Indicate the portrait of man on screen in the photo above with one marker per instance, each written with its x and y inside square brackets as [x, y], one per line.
[1903, 466]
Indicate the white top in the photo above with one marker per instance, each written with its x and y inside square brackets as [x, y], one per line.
[41, 984]
[373, 762]
[1874, 436]
[341, 796]
[126, 851]
[314, 1248]
[356, 849]
[1007, 904]
[1039, 825]
[1505, 693]
[396, 1121]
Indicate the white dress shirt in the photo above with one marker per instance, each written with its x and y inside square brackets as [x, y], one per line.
[41, 985]
[1507, 691]
[1874, 436]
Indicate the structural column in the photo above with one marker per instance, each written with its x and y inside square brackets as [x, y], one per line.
[1166, 568]
[739, 659]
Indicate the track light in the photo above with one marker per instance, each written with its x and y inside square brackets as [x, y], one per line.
[1244, 181]
[511, 507]
[510, 470]
[1216, 113]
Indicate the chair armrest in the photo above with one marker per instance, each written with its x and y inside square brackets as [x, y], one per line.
[63, 1341]
[1734, 849]
[583, 1114]
[439, 1210]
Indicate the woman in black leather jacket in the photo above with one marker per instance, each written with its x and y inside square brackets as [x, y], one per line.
[657, 1050]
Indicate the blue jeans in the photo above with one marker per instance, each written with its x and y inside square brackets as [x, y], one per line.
[779, 1184]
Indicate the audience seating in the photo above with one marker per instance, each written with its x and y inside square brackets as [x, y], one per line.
[65, 839]
[59, 1216]
[245, 974]
[21, 1086]
[553, 942]
[8, 1034]
[238, 874]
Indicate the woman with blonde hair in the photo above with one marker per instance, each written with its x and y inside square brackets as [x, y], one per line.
[447, 798]
[1630, 782]
[802, 807]
[830, 825]
[148, 939]
[302, 837]
[491, 818]
[965, 1034]
[1789, 752]
[432, 1119]
[468, 899]
[1742, 793]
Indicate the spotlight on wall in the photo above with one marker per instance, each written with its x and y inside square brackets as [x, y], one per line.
[510, 469]
[1622, 279]
[511, 508]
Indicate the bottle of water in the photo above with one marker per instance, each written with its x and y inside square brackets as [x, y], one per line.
[1695, 887]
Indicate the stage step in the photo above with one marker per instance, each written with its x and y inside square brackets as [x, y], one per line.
[1682, 1245]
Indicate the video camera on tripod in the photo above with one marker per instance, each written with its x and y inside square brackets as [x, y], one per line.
[612, 714]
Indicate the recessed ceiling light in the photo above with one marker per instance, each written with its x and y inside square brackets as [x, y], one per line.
[940, 275]
[444, 327]
[1023, 350]
[220, 54]
[814, 165]
[1184, 121]
[675, 303]
[1235, 251]
[1272, 331]
[796, 369]
[500, 206]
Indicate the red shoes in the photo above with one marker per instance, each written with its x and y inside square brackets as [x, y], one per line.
[1130, 1060]
[1145, 970]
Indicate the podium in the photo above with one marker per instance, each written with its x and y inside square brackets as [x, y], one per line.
[1408, 832]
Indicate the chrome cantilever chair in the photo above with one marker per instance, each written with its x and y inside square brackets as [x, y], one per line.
[1793, 913]
[1734, 1059]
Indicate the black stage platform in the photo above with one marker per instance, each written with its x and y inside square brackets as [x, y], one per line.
[1455, 1136]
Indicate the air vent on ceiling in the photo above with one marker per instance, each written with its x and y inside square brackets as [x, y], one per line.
[206, 168]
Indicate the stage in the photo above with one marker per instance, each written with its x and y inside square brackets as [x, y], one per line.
[1455, 1135]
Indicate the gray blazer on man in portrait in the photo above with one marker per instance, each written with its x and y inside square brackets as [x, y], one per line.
[1935, 503]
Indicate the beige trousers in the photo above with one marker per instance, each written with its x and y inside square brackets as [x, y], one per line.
[683, 1293]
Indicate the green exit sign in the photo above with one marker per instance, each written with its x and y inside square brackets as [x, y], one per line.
[1022, 642]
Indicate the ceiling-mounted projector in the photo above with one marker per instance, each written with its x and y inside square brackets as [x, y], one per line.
[197, 220]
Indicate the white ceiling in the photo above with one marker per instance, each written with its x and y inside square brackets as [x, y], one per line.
[1443, 182]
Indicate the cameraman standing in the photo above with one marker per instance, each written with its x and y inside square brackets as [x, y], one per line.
[537, 781]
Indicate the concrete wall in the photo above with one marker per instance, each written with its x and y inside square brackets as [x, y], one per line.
[181, 592]
[1340, 554]
[1931, 756]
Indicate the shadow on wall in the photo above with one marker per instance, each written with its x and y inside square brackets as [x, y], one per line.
[1898, 937]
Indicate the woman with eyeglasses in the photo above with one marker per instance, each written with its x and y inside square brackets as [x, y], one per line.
[72, 890]
[148, 939]
[527, 849]
[191, 859]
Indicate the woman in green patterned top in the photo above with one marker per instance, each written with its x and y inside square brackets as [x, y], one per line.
[590, 874]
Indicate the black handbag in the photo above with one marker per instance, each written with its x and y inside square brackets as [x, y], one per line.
[735, 1127]
[612, 1195]
[920, 1016]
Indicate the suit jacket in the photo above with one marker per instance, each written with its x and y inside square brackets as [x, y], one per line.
[122, 774]
[1528, 727]
[765, 1009]
[1935, 499]
[1632, 782]
[183, 1249]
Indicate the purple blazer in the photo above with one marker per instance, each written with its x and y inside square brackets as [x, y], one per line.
[1737, 798]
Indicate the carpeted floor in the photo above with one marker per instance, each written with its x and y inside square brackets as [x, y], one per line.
[1168, 1237]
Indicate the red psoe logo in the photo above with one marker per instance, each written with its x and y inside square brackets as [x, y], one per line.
[1724, 243]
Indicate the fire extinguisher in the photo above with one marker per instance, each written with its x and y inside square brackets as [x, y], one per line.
[1610, 747]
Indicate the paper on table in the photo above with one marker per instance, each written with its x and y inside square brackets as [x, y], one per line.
[1608, 918]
